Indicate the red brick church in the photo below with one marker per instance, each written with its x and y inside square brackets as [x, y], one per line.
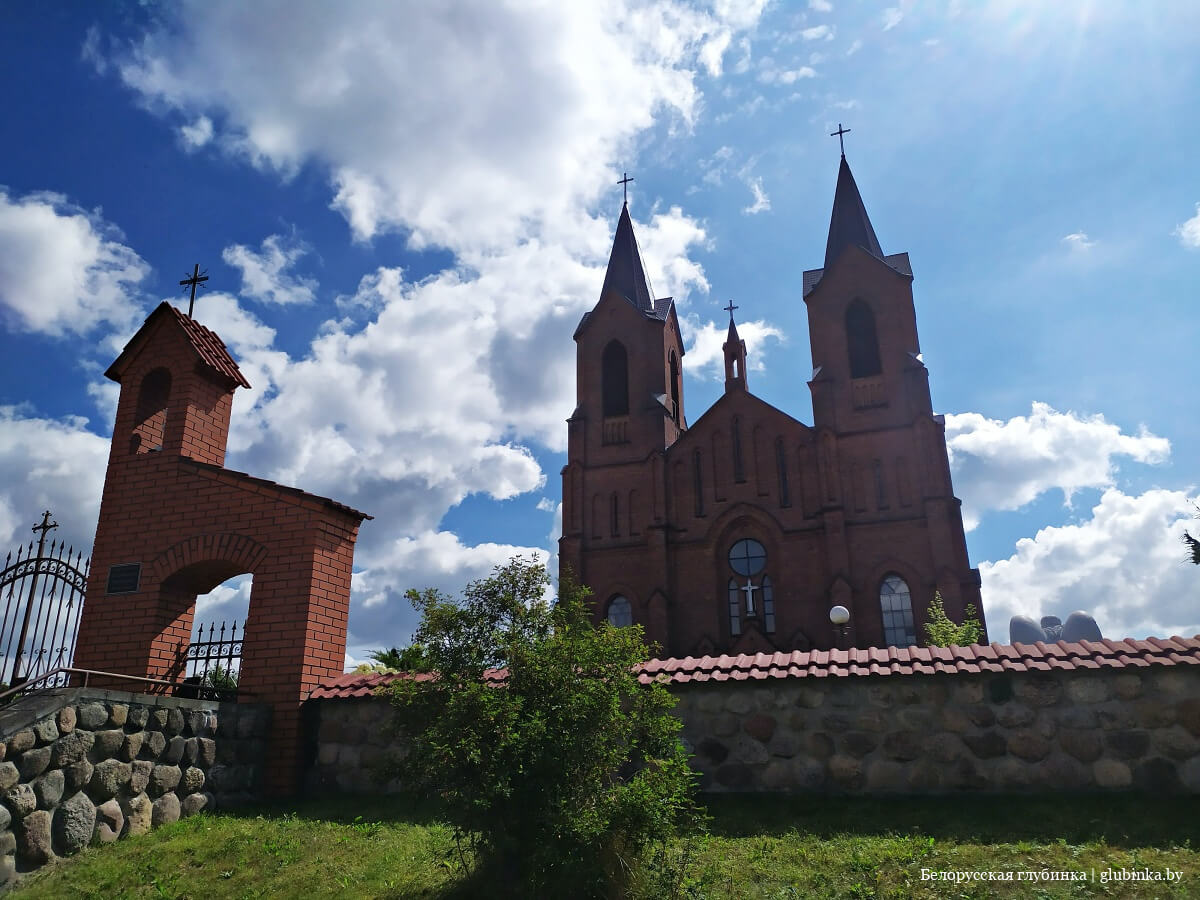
[740, 532]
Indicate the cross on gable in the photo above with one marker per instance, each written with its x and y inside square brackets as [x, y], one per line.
[196, 279]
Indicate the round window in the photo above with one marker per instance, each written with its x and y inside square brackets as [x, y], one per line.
[747, 557]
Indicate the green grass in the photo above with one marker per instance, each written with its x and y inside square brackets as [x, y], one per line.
[756, 846]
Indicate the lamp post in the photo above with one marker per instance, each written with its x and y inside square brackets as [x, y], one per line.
[840, 617]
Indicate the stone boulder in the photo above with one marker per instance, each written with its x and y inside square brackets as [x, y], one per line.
[49, 788]
[71, 748]
[164, 810]
[110, 821]
[20, 800]
[33, 838]
[74, 822]
[138, 813]
[108, 777]
[164, 779]
[194, 803]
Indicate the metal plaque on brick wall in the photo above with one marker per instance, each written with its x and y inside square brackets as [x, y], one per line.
[123, 579]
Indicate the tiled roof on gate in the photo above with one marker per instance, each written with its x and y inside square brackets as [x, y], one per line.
[274, 485]
[363, 684]
[1039, 657]
[208, 346]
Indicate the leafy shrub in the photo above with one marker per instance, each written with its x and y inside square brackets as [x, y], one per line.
[941, 630]
[562, 768]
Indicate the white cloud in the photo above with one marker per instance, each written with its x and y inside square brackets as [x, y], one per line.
[854, 47]
[761, 201]
[770, 73]
[425, 392]
[1078, 242]
[382, 616]
[546, 504]
[55, 464]
[891, 17]
[706, 359]
[1124, 565]
[64, 270]
[1188, 232]
[197, 134]
[265, 275]
[90, 51]
[820, 5]
[1004, 465]
[363, 90]
[818, 33]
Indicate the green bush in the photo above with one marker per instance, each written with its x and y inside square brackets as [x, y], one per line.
[564, 773]
[942, 631]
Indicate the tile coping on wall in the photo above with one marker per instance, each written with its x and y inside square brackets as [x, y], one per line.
[977, 658]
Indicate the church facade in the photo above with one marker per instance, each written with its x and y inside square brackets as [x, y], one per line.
[740, 532]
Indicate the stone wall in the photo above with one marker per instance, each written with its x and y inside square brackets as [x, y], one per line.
[79, 765]
[352, 739]
[1086, 729]
[1021, 731]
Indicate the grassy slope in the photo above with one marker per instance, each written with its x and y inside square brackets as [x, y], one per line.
[756, 847]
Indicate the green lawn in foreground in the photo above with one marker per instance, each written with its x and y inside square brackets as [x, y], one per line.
[756, 846]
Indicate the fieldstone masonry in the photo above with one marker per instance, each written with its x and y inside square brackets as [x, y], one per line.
[80, 765]
[1134, 728]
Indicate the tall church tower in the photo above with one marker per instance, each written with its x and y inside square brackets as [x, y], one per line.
[629, 410]
[739, 533]
[872, 409]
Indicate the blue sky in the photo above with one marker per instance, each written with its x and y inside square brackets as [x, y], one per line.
[405, 208]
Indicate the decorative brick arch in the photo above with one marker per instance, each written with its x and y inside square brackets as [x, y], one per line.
[239, 551]
[174, 523]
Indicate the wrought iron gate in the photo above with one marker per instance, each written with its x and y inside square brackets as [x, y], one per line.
[43, 594]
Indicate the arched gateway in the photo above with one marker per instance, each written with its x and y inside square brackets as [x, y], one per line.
[174, 523]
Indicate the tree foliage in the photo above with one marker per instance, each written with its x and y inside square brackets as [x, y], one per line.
[942, 631]
[550, 759]
[397, 659]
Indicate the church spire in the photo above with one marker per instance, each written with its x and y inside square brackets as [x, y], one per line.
[849, 224]
[625, 273]
[734, 349]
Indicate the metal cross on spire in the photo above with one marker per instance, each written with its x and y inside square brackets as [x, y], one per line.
[196, 279]
[624, 183]
[839, 134]
[730, 308]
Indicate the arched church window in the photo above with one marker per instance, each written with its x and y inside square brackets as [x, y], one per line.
[739, 470]
[735, 608]
[750, 596]
[674, 363]
[862, 340]
[150, 413]
[620, 612]
[614, 365]
[785, 494]
[895, 602]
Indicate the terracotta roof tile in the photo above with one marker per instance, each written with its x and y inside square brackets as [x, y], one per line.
[210, 347]
[207, 345]
[273, 486]
[1039, 657]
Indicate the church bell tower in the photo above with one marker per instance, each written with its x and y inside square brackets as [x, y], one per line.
[629, 410]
